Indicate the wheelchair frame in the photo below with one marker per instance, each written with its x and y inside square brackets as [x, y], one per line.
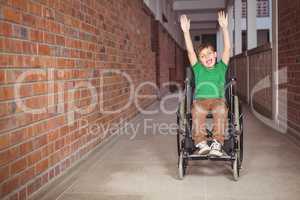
[233, 145]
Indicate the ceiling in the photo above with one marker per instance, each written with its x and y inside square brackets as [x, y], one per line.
[202, 13]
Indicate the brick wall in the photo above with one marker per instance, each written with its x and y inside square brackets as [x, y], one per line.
[289, 56]
[172, 60]
[238, 68]
[181, 63]
[62, 48]
[166, 56]
[258, 62]
[260, 68]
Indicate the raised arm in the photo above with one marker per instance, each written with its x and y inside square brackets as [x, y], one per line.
[223, 22]
[185, 26]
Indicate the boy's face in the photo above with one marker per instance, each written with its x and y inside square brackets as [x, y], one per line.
[208, 57]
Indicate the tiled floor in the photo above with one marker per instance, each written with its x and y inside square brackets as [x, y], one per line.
[144, 166]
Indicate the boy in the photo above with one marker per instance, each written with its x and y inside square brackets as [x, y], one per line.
[209, 88]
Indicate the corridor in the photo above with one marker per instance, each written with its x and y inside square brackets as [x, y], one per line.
[144, 166]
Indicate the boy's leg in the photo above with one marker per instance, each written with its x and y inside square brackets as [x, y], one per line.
[219, 111]
[199, 113]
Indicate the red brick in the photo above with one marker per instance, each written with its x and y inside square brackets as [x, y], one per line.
[36, 102]
[54, 158]
[4, 157]
[60, 40]
[20, 4]
[41, 166]
[40, 141]
[34, 157]
[5, 28]
[4, 141]
[23, 194]
[6, 93]
[17, 136]
[47, 150]
[6, 60]
[34, 186]
[49, 38]
[14, 196]
[35, 8]
[59, 143]
[27, 175]
[18, 166]
[29, 48]
[11, 15]
[39, 88]
[4, 173]
[29, 20]
[26, 147]
[2, 76]
[51, 174]
[53, 135]
[61, 62]
[57, 170]
[43, 49]
[9, 186]
[36, 36]
[45, 179]
[47, 13]
[5, 109]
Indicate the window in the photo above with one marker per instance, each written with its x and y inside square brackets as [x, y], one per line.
[244, 8]
[262, 8]
[197, 38]
[262, 37]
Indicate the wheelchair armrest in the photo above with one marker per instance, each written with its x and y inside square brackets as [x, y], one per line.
[232, 81]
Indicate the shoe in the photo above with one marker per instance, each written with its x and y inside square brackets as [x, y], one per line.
[203, 148]
[216, 149]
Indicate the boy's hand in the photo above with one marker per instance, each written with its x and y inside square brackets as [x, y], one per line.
[185, 23]
[223, 19]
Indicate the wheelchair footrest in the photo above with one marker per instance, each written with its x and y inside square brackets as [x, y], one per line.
[224, 157]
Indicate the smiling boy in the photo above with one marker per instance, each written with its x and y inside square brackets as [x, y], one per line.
[209, 88]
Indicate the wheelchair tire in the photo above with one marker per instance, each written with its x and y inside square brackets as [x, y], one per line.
[181, 123]
[182, 163]
[237, 114]
[241, 139]
[235, 168]
[178, 137]
[238, 121]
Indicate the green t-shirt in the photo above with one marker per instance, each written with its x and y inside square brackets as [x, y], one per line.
[209, 83]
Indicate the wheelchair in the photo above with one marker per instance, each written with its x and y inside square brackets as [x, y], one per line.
[233, 144]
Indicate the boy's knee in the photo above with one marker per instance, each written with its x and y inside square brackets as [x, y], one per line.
[198, 111]
[220, 111]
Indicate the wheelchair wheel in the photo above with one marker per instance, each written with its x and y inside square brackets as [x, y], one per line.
[182, 163]
[181, 121]
[235, 168]
[238, 121]
[237, 114]
[179, 139]
[241, 138]
[178, 136]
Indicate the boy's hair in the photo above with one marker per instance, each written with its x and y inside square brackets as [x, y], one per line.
[205, 45]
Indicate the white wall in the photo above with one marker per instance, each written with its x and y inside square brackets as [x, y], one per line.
[261, 22]
[172, 26]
